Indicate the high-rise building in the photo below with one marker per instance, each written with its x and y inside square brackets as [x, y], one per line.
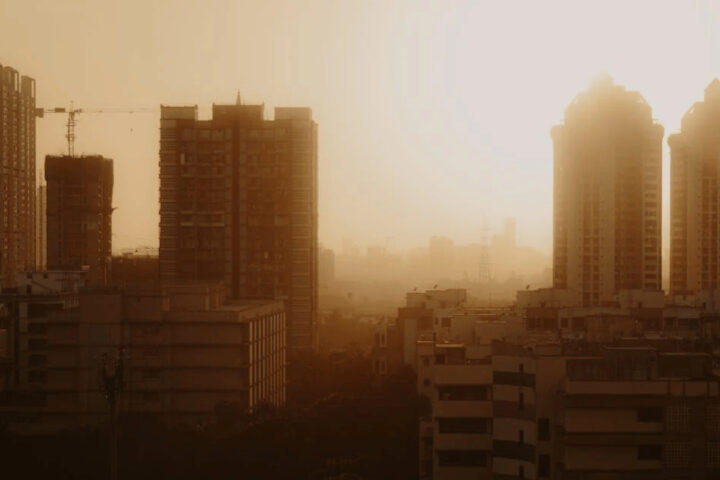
[607, 195]
[238, 203]
[79, 211]
[694, 200]
[17, 175]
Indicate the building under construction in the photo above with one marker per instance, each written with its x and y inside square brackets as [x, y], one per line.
[17, 175]
[79, 210]
[238, 203]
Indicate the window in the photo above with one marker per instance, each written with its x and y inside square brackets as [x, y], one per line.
[464, 425]
[462, 458]
[37, 360]
[521, 436]
[37, 376]
[36, 343]
[151, 397]
[463, 393]
[649, 452]
[712, 420]
[713, 455]
[543, 469]
[426, 382]
[650, 414]
[544, 429]
[678, 418]
[151, 373]
[521, 400]
[677, 454]
[521, 472]
[37, 328]
[446, 322]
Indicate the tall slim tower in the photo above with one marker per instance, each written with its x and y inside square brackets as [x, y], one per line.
[17, 175]
[238, 203]
[607, 195]
[79, 211]
[695, 198]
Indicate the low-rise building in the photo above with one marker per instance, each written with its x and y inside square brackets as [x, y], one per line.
[38, 298]
[639, 408]
[456, 440]
[186, 356]
[638, 413]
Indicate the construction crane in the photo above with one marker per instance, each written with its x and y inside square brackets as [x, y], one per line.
[71, 121]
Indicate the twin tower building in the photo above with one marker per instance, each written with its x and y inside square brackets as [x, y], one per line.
[608, 198]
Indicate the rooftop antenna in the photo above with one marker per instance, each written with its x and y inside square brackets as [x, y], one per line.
[238, 100]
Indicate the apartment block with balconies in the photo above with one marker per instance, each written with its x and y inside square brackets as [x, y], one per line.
[238, 203]
[636, 413]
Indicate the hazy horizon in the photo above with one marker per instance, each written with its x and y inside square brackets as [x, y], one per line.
[426, 126]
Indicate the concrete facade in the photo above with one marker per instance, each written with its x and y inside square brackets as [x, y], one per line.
[187, 356]
[238, 203]
[569, 411]
[694, 200]
[17, 175]
[607, 196]
[79, 215]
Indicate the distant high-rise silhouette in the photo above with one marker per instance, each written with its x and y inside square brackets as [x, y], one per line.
[79, 211]
[694, 198]
[238, 203]
[607, 195]
[17, 175]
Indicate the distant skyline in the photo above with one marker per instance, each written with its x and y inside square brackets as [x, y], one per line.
[434, 117]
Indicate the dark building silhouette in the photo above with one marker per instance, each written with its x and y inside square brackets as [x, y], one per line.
[694, 201]
[133, 269]
[79, 210]
[607, 195]
[188, 354]
[238, 203]
[17, 175]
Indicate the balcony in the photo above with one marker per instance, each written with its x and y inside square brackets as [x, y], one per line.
[635, 388]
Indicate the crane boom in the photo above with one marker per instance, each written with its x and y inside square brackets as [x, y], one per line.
[71, 122]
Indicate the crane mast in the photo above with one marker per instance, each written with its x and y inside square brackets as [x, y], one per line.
[72, 122]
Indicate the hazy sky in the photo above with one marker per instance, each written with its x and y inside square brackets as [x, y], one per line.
[433, 115]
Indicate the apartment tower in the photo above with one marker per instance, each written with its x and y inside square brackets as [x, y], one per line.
[79, 211]
[238, 203]
[607, 195]
[694, 200]
[17, 175]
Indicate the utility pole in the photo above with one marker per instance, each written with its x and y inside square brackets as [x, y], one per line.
[111, 381]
